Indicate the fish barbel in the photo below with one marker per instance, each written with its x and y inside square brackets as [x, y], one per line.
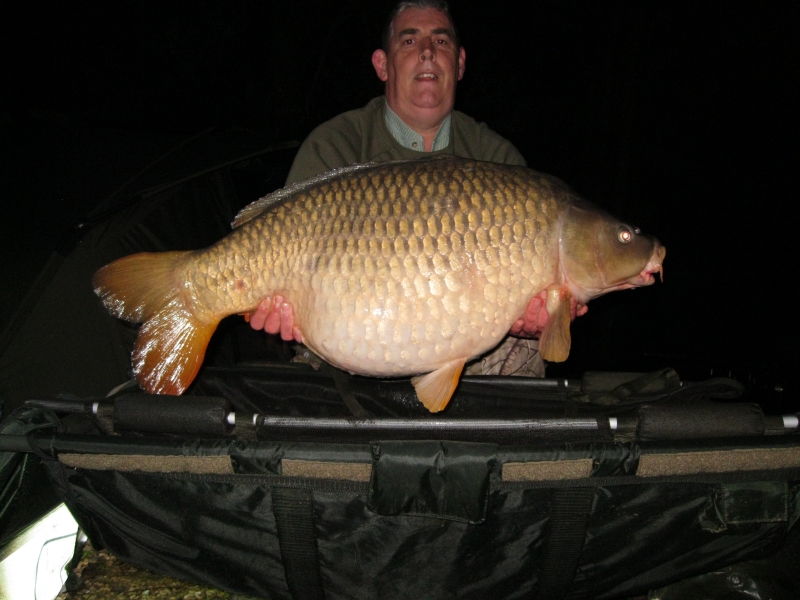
[403, 268]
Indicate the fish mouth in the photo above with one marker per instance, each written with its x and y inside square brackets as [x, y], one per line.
[654, 266]
[645, 277]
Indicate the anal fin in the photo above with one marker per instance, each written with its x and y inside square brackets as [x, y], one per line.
[555, 341]
[436, 388]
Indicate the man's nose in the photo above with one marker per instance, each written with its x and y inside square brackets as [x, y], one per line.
[427, 49]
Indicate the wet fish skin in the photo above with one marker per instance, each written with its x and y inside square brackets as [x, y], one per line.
[394, 269]
[380, 260]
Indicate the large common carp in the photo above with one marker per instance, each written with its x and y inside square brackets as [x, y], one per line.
[403, 268]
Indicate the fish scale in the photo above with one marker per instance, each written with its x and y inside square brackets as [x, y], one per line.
[354, 266]
[394, 269]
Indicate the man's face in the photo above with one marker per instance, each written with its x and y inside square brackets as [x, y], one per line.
[422, 66]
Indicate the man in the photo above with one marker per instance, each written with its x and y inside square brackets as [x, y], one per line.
[420, 64]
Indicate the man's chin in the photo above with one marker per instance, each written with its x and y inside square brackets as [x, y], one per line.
[427, 107]
[432, 102]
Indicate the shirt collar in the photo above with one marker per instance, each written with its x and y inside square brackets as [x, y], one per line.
[408, 138]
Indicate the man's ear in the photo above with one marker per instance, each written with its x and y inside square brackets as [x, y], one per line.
[462, 62]
[379, 59]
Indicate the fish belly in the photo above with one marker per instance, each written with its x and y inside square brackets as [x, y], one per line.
[401, 326]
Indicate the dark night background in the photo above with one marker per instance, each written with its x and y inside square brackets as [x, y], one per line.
[678, 117]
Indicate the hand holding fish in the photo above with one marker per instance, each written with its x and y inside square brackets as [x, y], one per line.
[532, 322]
[274, 315]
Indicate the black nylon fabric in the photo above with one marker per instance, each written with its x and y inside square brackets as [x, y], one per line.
[639, 533]
[366, 556]
[298, 390]
[298, 541]
[565, 540]
[206, 529]
[773, 578]
[626, 397]
[25, 491]
[443, 479]
[221, 531]
[620, 559]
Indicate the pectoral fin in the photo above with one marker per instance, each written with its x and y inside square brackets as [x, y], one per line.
[436, 388]
[555, 341]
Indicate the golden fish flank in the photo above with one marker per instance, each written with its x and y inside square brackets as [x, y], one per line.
[395, 269]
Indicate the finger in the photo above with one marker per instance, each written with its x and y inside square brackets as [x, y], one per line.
[542, 318]
[532, 311]
[273, 321]
[260, 315]
[576, 309]
[287, 322]
[526, 325]
[536, 316]
[298, 335]
[518, 327]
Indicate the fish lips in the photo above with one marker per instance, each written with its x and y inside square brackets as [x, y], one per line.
[646, 276]
[654, 265]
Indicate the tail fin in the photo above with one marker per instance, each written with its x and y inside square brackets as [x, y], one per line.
[172, 342]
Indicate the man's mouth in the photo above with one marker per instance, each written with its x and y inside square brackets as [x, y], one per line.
[427, 76]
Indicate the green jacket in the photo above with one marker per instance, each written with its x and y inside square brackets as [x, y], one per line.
[361, 136]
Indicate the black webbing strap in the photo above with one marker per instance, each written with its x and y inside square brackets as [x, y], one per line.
[342, 382]
[294, 518]
[566, 534]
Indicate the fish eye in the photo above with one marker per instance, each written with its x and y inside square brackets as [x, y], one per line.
[624, 234]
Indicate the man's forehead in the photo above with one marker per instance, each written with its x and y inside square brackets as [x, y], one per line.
[435, 31]
[414, 20]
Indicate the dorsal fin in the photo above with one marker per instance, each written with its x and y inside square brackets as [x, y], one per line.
[254, 209]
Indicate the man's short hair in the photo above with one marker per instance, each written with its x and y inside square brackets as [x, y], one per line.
[440, 5]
